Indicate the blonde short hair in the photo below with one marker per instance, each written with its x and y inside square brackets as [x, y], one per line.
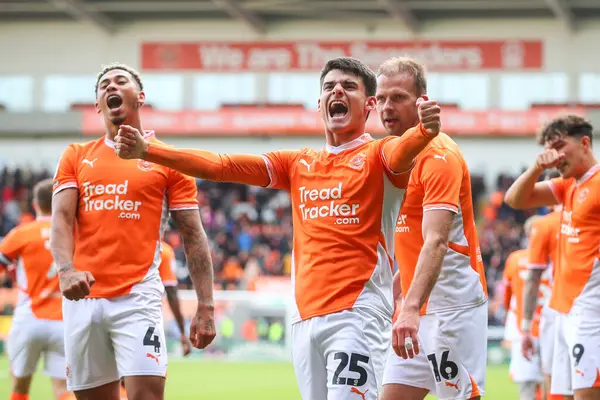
[399, 65]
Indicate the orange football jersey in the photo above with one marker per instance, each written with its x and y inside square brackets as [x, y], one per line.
[577, 274]
[440, 180]
[515, 275]
[122, 214]
[37, 279]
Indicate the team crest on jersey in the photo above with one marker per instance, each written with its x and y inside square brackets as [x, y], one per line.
[583, 194]
[358, 161]
[145, 165]
[68, 371]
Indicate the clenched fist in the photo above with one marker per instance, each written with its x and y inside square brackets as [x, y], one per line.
[129, 143]
[202, 329]
[75, 285]
[549, 159]
[429, 115]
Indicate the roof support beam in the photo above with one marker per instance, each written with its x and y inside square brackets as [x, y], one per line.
[400, 11]
[235, 11]
[78, 10]
[563, 13]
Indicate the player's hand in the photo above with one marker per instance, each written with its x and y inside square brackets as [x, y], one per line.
[185, 345]
[75, 285]
[202, 330]
[429, 115]
[406, 326]
[549, 159]
[129, 143]
[527, 346]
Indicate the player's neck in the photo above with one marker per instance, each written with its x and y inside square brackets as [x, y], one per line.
[339, 139]
[587, 164]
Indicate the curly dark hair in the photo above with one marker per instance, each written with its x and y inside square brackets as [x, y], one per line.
[135, 74]
[568, 125]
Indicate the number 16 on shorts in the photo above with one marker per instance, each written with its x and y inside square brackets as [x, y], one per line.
[451, 378]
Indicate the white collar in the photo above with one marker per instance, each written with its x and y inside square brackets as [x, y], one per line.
[364, 138]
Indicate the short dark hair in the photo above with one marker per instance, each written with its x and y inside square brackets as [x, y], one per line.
[42, 195]
[568, 125]
[136, 75]
[353, 66]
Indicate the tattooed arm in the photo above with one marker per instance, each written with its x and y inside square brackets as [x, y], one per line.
[197, 252]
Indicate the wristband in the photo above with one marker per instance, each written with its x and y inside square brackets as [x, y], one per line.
[526, 325]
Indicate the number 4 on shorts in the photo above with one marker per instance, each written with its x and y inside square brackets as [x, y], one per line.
[149, 340]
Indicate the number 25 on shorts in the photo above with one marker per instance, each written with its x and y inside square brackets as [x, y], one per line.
[354, 361]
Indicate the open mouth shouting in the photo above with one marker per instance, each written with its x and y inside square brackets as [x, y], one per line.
[338, 111]
[114, 102]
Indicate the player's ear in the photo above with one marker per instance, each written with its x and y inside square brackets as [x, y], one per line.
[141, 99]
[98, 110]
[319, 105]
[586, 142]
[371, 103]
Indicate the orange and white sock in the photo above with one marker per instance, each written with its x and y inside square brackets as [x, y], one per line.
[18, 396]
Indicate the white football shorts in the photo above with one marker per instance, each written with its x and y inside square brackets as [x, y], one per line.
[341, 356]
[452, 357]
[107, 339]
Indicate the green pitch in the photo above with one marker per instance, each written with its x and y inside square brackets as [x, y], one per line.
[212, 380]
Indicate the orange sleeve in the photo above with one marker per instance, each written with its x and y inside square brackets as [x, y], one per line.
[66, 174]
[10, 247]
[539, 251]
[441, 176]
[167, 266]
[238, 168]
[182, 192]
[559, 187]
[399, 152]
[279, 165]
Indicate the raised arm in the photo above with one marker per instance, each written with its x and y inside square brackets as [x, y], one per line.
[401, 151]
[195, 244]
[241, 168]
[526, 191]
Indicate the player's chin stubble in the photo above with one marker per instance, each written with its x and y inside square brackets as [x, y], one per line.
[118, 121]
